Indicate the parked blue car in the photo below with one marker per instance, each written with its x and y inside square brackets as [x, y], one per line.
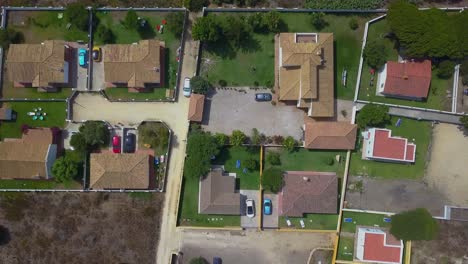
[82, 57]
[267, 206]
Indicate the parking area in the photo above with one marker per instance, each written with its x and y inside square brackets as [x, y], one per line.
[250, 222]
[271, 221]
[252, 246]
[227, 110]
[81, 79]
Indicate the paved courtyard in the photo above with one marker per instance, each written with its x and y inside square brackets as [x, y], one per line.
[247, 222]
[252, 246]
[227, 110]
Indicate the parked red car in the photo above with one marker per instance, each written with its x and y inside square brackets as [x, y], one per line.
[116, 144]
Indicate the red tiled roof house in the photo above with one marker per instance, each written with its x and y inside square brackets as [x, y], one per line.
[307, 192]
[197, 103]
[406, 80]
[381, 146]
[377, 246]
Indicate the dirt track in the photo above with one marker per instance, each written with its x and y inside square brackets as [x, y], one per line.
[79, 228]
[448, 162]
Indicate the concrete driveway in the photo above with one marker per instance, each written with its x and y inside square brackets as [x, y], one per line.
[251, 247]
[270, 221]
[250, 222]
[79, 74]
[227, 110]
[98, 75]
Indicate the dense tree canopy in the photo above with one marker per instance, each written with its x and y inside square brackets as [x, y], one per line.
[64, 169]
[105, 34]
[10, 36]
[238, 138]
[195, 5]
[373, 115]
[430, 33]
[78, 142]
[207, 29]
[273, 158]
[175, 23]
[200, 85]
[77, 15]
[95, 133]
[201, 147]
[417, 224]
[131, 20]
[374, 54]
[445, 69]
[289, 143]
[272, 179]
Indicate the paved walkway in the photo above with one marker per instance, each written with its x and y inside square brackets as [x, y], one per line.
[422, 115]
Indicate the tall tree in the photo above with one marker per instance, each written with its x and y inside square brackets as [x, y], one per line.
[416, 224]
[95, 133]
[318, 20]
[200, 85]
[273, 21]
[131, 20]
[374, 54]
[77, 15]
[373, 115]
[64, 169]
[201, 147]
[175, 23]
[206, 29]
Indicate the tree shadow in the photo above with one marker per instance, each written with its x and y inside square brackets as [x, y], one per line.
[222, 49]
[5, 236]
[250, 44]
[146, 31]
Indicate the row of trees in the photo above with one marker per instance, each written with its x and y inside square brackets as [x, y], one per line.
[373, 115]
[235, 29]
[431, 33]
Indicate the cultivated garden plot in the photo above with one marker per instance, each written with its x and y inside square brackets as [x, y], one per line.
[35, 27]
[380, 32]
[163, 26]
[252, 62]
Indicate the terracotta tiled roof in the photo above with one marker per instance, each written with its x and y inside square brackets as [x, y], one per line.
[378, 246]
[388, 147]
[409, 79]
[308, 192]
[25, 158]
[120, 171]
[39, 64]
[330, 135]
[217, 194]
[306, 71]
[133, 64]
[197, 102]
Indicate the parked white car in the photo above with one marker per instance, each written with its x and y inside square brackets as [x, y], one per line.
[250, 208]
[187, 90]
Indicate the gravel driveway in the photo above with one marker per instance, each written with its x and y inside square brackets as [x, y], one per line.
[227, 110]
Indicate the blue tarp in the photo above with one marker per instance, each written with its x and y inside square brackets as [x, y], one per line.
[238, 164]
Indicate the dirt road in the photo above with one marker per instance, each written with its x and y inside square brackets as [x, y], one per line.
[252, 246]
[448, 162]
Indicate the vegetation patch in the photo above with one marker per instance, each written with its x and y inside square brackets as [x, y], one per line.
[311, 221]
[351, 220]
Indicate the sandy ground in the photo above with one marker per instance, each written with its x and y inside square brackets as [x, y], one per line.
[446, 171]
[450, 247]
[252, 246]
[394, 196]
[79, 228]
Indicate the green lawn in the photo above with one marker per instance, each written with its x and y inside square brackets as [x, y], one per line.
[56, 114]
[228, 157]
[411, 129]
[345, 248]
[44, 25]
[122, 93]
[362, 219]
[188, 209]
[436, 97]
[311, 221]
[232, 68]
[316, 160]
[128, 36]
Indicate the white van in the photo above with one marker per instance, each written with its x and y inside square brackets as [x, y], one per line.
[187, 90]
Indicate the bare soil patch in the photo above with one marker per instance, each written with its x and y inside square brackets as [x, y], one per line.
[449, 247]
[446, 171]
[80, 227]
